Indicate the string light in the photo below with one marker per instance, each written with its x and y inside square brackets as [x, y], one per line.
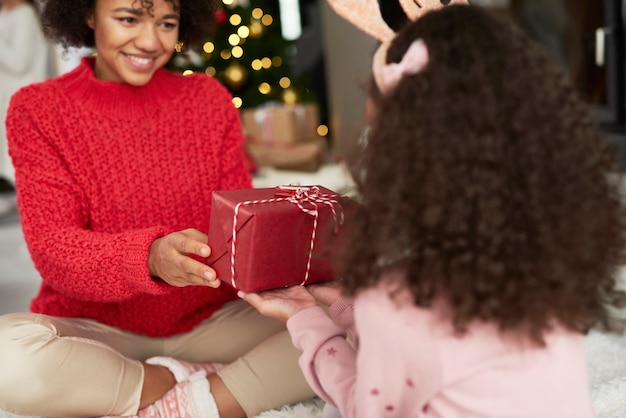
[235, 19]
[208, 47]
[237, 52]
[267, 20]
[256, 64]
[322, 130]
[285, 82]
[243, 32]
[237, 102]
[265, 88]
[234, 39]
[257, 13]
[290, 97]
[187, 72]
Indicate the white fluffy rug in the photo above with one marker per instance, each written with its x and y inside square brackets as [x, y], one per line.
[310, 409]
[606, 360]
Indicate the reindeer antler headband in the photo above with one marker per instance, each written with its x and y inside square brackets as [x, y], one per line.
[366, 15]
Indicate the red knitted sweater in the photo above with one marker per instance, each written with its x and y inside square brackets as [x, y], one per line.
[102, 169]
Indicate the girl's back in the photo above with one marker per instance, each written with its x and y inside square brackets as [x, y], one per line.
[411, 362]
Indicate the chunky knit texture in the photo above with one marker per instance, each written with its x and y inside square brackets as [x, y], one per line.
[103, 169]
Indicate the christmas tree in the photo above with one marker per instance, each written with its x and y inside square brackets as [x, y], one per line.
[249, 55]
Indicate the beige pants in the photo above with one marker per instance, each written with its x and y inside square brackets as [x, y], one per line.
[68, 367]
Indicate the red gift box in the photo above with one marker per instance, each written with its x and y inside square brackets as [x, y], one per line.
[275, 237]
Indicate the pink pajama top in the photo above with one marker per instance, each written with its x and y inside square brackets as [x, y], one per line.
[409, 363]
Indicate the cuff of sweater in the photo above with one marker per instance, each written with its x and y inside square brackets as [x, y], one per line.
[343, 305]
[135, 263]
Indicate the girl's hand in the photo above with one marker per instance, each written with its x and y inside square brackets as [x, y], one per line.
[280, 304]
[326, 293]
[169, 259]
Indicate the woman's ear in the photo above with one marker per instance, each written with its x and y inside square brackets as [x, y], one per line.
[90, 20]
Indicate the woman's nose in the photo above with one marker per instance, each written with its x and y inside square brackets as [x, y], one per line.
[147, 39]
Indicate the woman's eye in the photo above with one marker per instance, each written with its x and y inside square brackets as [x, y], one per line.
[170, 25]
[127, 19]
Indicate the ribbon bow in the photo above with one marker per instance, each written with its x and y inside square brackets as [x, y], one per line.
[413, 61]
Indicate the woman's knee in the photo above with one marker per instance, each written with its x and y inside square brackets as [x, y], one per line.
[23, 337]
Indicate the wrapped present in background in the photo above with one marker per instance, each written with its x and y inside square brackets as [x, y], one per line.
[275, 237]
[303, 156]
[285, 136]
[281, 124]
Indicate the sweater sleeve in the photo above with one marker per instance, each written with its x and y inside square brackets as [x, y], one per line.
[87, 265]
[327, 361]
[16, 53]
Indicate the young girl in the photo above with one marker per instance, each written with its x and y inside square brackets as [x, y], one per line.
[487, 242]
[115, 164]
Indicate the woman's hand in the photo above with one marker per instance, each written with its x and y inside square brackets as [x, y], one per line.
[280, 304]
[169, 259]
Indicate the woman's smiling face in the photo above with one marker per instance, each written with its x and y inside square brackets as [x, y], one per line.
[132, 42]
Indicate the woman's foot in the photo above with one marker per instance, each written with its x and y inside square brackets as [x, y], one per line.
[177, 389]
[190, 398]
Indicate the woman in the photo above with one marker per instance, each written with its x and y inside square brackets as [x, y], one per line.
[115, 164]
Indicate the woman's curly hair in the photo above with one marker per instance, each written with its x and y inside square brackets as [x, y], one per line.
[66, 21]
[487, 182]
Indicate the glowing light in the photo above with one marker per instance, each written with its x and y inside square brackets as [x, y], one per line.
[208, 47]
[187, 72]
[267, 20]
[290, 19]
[266, 62]
[322, 130]
[257, 13]
[227, 2]
[290, 97]
[225, 54]
[235, 20]
[236, 74]
[265, 88]
[234, 39]
[256, 64]
[237, 52]
[256, 29]
[277, 61]
[237, 102]
[210, 71]
[243, 32]
[285, 82]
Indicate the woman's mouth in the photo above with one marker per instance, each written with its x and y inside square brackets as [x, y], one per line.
[140, 63]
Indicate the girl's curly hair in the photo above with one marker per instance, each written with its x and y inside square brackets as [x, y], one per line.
[487, 182]
[66, 21]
